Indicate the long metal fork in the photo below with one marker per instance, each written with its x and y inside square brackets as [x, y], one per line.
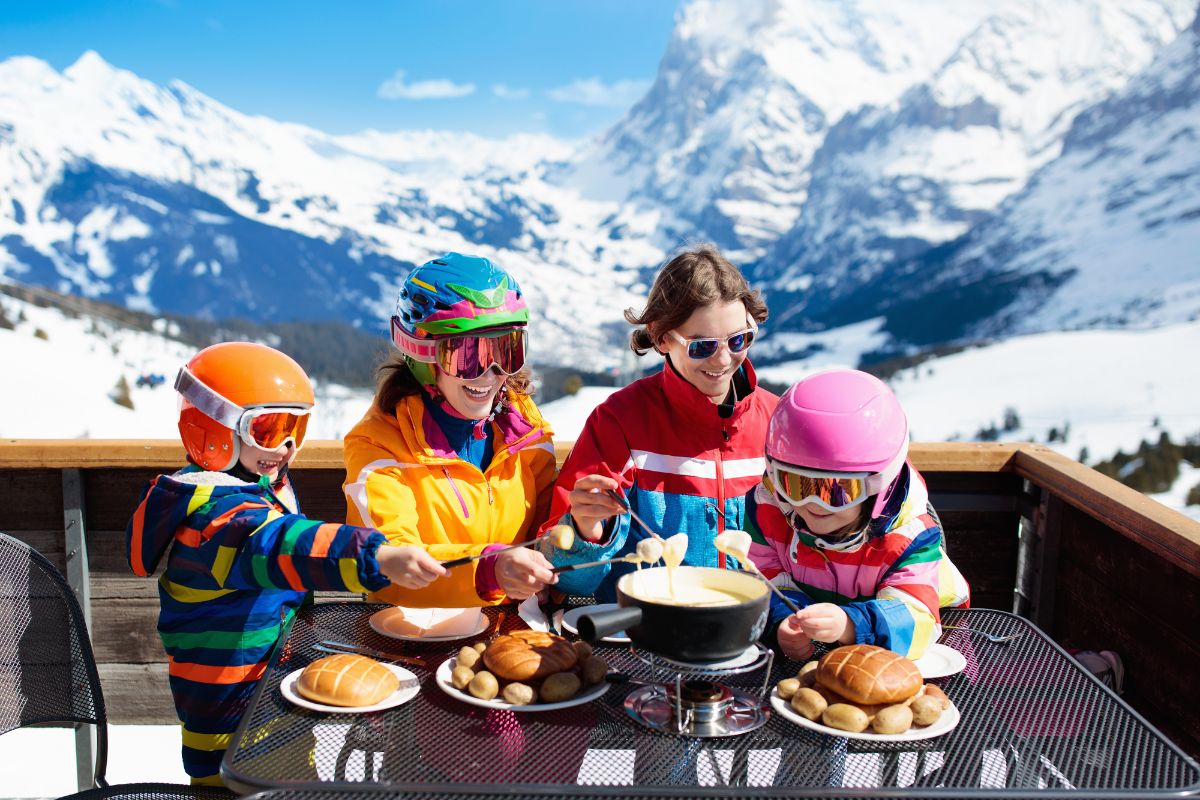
[328, 646]
[991, 637]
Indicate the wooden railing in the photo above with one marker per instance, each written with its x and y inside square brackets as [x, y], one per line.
[1094, 563]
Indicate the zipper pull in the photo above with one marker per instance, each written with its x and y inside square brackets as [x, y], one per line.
[725, 433]
[490, 498]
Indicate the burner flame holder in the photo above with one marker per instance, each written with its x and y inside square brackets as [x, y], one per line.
[689, 713]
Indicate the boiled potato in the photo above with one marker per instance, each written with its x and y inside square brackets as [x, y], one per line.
[559, 686]
[808, 674]
[808, 703]
[467, 657]
[892, 719]
[932, 690]
[480, 646]
[845, 717]
[593, 671]
[787, 687]
[926, 710]
[582, 649]
[562, 536]
[461, 676]
[484, 685]
[519, 694]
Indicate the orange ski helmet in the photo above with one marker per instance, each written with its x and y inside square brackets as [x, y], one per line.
[241, 392]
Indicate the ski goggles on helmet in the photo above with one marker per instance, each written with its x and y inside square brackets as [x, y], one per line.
[467, 356]
[700, 349]
[267, 427]
[832, 491]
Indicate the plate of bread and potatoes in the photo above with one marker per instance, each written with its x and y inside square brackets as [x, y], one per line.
[865, 692]
[349, 684]
[525, 670]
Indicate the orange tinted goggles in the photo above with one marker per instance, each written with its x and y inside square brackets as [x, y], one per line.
[270, 428]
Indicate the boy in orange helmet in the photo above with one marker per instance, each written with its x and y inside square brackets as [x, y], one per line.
[242, 556]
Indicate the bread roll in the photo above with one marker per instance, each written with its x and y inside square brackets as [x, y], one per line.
[529, 655]
[346, 680]
[868, 675]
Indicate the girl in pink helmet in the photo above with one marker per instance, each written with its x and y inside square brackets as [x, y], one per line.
[842, 521]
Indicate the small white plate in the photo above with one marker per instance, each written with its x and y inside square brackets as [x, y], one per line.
[570, 621]
[940, 661]
[409, 687]
[947, 722]
[586, 695]
[392, 622]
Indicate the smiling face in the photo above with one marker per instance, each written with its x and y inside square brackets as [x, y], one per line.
[710, 375]
[266, 462]
[471, 399]
[823, 523]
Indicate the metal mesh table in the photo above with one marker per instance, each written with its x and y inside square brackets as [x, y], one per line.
[1032, 720]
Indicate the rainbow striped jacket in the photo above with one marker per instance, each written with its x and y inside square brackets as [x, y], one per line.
[891, 580]
[240, 563]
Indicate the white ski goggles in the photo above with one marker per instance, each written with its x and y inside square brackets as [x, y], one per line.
[832, 491]
[266, 427]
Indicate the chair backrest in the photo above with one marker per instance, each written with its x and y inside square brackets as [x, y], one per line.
[47, 668]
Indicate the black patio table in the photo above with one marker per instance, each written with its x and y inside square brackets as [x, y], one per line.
[1033, 720]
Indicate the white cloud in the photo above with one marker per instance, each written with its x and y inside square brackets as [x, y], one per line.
[509, 93]
[594, 92]
[395, 88]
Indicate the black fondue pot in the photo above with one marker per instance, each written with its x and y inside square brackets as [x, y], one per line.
[689, 633]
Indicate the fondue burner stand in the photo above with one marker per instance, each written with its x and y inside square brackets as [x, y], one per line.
[690, 702]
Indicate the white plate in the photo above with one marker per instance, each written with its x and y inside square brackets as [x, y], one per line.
[940, 661]
[442, 676]
[947, 722]
[570, 621]
[391, 622]
[409, 686]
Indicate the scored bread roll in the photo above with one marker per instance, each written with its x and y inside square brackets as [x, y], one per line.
[869, 675]
[347, 680]
[529, 655]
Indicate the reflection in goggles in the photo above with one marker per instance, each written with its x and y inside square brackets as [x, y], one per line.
[834, 492]
[270, 430]
[707, 348]
[468, 357]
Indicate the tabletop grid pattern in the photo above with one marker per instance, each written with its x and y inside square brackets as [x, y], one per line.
[1032, 719]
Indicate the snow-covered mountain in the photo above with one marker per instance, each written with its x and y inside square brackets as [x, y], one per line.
[1105, 235]
[160, 198]
[855, 154]
[892, 181]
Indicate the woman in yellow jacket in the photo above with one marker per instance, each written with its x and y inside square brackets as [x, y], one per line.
[453, 454]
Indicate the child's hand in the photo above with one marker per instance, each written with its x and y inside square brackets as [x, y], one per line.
[409, 566]
[825, 622]
[522, 572]
[591, 505]
[794, 642]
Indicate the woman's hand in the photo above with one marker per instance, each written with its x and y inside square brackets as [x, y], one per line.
[794, 642]
[408, 566]
[825, 622]
[590, 505]
[522, 572]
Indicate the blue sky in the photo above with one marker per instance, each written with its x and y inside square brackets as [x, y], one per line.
[495, 67]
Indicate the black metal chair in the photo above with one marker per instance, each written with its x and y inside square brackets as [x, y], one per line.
[48, 670]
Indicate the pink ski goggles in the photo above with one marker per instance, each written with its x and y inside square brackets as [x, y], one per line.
[468, 356]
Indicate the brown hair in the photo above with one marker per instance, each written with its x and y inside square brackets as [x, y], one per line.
[694, 278]
[861, 521]
[394, 381]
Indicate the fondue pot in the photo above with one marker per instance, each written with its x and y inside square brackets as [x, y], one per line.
[663, 622]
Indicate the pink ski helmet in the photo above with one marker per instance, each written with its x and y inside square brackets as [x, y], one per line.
[845, 421]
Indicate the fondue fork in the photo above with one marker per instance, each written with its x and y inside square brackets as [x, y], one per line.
[345, 647]
[615, 495]
[458, 562]
[570, 567]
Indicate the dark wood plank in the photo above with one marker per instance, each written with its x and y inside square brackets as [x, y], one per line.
[30, 499]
